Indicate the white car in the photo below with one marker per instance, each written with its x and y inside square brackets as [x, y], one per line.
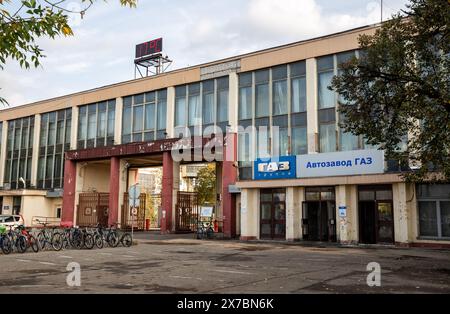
[11, 220]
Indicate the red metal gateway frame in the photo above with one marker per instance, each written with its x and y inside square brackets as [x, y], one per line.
[115, 153]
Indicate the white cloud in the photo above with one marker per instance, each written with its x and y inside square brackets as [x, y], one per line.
[196, 31]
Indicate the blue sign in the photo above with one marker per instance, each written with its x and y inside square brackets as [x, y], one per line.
[342, 211]
[283, 167]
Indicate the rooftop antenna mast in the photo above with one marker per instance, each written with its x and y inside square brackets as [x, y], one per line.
[150, 59]
[381, 10]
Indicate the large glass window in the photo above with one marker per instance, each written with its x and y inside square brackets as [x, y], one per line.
[434, 210]
[278, 96]
[202, 104]
[19, 151]
[144, 117]
[262, 93]
[327, 138]
[96, 124]
[50, 172]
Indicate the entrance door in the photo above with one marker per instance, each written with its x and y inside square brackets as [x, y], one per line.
[273, 214]
[376, 218]
[319, 214]
[319, 221]
[367, 219]
[385, 226]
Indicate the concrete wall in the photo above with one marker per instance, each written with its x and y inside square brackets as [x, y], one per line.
[96, 177]
[250, 214]
[33, 206]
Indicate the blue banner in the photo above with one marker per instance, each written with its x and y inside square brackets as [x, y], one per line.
[283, 167]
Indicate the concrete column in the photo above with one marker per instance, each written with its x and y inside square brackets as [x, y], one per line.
[114, 188]
[35, 156]
[170, 112]
[229, 177]
[74, 129]
[167, 193]
[68, 207]
[118, 121]
[249, 214]
[233, 101]
[175, 189]
[401, 217]
[294, 200]
[311, 104]
[346, 227]
[3, 143]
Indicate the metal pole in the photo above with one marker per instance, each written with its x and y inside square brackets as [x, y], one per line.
[381, 11]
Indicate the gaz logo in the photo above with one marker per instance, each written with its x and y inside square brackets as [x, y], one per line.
[274, 166]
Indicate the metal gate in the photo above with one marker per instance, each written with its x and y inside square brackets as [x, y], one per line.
[93, 209]
[186, 213]
[139, 219]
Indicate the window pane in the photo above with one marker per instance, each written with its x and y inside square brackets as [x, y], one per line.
[262, 100]
[428, 219]
[222, 106]
[180, 111]
[49, 168]
[262, 140]
[52, 132]
[91, 123]
[60, 132]
[41, 168]
[283, 142]
[266, 211]
[299, 95]
[126, 126]
[194, 110]
[245, 103]
[445, 218]
[326, 96]
[68, 130]
[280, 97]
[162, 108]
[244, 147]
[138, 113]
[101, 127]
[82, 125]
[149, 117]
[208, 108]
[299, 141]
[327, 138]
[348, 141]
[111, 120]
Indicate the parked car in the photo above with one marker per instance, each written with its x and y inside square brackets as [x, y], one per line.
[11, 220]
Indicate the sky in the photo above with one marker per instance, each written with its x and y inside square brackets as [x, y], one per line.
[196, 31]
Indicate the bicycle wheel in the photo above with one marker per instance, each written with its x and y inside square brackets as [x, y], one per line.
[41, 240]
[209, 233]
[89, 241]
[6, 245]
[34, 244]
[98, 241]
[21, 244]
[57, 241]
[113, 239]
[127, 240]
[77, 240]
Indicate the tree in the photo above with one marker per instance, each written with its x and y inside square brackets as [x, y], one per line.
[400, 85]
[205, 185]
[22, 23]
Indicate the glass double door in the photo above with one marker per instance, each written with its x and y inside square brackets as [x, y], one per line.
[376, 218]
[319, 221]
[273, 214]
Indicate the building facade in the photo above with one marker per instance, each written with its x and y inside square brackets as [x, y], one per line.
[304, 179]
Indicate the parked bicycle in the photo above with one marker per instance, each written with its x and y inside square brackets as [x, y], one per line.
[205, 230]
